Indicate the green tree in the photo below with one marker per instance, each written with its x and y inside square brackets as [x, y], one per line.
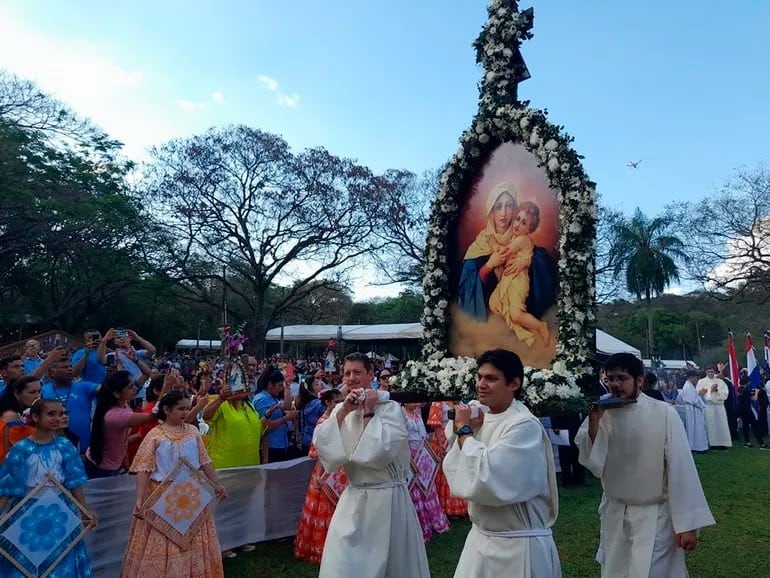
[649, 257]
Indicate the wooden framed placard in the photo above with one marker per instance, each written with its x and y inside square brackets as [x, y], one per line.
[178, 505]
[39, 531]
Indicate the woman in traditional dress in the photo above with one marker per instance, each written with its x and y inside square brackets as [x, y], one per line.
[426, 502]
[437, 420]
[318, 509]
[149, 552]
[28, 464]
[17, 397]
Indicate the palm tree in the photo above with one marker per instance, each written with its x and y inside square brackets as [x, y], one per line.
[648, 254]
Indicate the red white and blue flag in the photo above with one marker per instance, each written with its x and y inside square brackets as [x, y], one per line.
[767, 351]
[732, 361]
[752, 367]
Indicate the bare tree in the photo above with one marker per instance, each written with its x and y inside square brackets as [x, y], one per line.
[608, 255]
[401, 225]
[238, 198]
[728, 236]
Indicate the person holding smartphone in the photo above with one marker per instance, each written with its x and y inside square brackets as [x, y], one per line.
[125, 356]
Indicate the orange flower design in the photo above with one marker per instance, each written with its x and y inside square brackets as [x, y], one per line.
[183, 501]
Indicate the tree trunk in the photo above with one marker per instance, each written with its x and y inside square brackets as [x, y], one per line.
[650, 340]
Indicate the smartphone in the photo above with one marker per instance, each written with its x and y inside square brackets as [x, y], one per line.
[111, 359]
[121, 333]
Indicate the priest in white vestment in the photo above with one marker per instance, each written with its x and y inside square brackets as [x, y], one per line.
[374, 532]
[715, 415]
[694, 407]
[501, 461]
[653, 500]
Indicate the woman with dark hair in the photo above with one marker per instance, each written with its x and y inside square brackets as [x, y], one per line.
[271, 402]
[311, 408]
[111, 426]
[150, 552]
[318, 508]
[29, 463]
[17, 397]
[138, 433]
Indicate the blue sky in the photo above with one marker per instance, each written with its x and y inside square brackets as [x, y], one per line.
[680, 85]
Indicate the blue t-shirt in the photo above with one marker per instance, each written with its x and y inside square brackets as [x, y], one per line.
[30, 365]
[310, 414]
[279, 437]
[129, 365]
[77, 398]
[93, 371]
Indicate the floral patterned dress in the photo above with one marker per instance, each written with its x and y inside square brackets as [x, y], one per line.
[316, 514]
[26, 465]
[150, 553]
[432, 517]
[437, 420]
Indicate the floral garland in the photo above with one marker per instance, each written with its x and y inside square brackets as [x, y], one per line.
[502, 118]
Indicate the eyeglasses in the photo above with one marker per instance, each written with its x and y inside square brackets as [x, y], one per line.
[617, 378]
[385, 376]
[93, 336]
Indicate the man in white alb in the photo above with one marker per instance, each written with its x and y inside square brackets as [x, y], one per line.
[653, 500]
[694, 407]
[715, 415]
[502, 463]
[374, 532]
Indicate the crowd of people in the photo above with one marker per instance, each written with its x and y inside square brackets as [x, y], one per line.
[384, 473]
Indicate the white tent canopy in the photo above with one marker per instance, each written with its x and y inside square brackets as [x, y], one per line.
[199, 344]
[380, 332]
[673, 364]
[606, 344]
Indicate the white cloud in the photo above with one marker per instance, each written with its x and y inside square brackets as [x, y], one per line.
[290, 101]
[190, 107]
[84, 76]
[218, 97]
[269, 83]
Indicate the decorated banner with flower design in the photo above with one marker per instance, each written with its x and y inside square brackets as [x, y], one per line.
[177, 506]
[43, 528]
[425, 465]
[332, 485]
[509, 259]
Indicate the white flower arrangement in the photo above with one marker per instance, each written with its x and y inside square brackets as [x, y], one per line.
[502, 118]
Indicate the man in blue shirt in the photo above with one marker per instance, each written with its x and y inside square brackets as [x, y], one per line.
[11, 369]
[75, 396]
[32, 359]
[132, 360]
[278, 431]
[85, 361]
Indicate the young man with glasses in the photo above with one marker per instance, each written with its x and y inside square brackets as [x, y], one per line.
[653, 503]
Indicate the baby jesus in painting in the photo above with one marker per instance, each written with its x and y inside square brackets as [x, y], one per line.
[509, 298]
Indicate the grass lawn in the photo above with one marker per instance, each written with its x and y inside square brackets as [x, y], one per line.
[736, 486]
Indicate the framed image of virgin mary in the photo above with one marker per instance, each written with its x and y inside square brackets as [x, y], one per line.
[506, 255]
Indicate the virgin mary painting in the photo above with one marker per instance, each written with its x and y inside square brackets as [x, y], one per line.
[508, 282]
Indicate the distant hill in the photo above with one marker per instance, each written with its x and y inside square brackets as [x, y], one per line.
[679, 319]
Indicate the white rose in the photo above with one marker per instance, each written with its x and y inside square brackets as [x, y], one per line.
[553, 163]
[551, 145]
[575, 228]
[483, 139]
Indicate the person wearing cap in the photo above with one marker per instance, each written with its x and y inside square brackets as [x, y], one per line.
[694, 412]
